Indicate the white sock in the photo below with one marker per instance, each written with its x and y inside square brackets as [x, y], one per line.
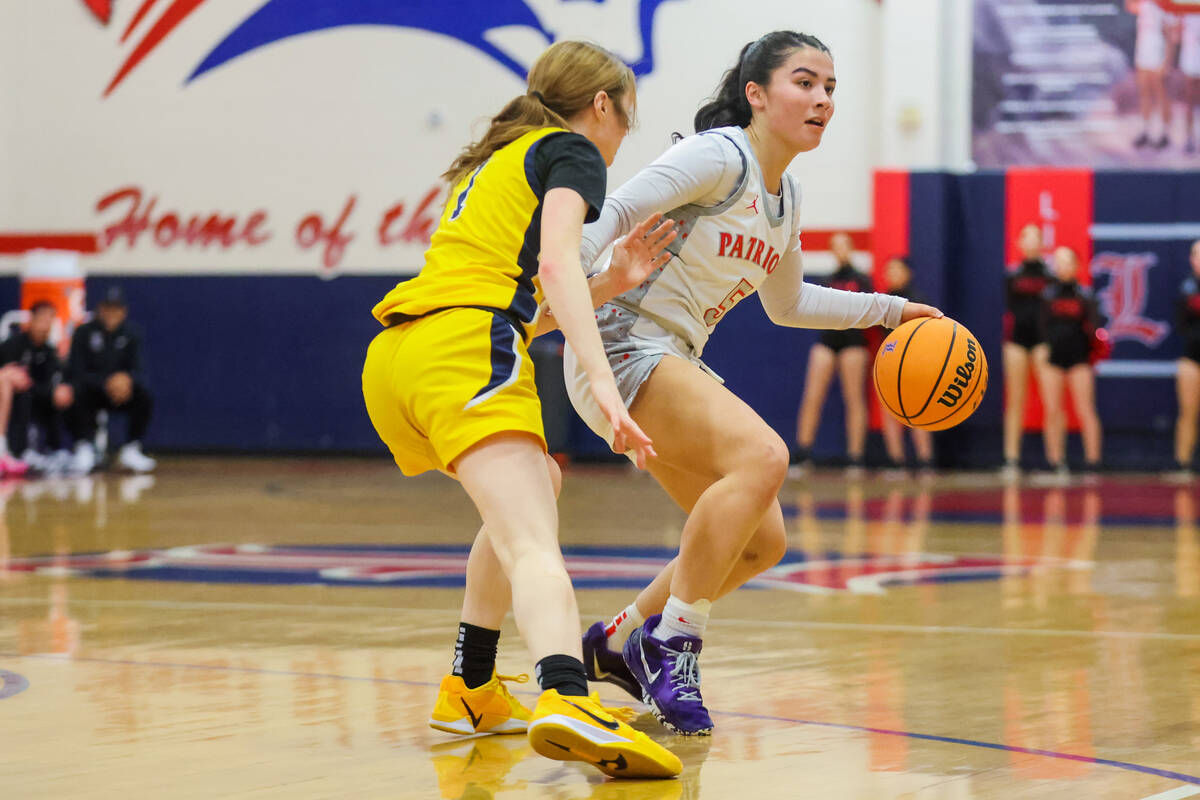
[683, 619]
[622, 625]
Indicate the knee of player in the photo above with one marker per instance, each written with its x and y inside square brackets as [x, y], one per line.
[541, 566]
[762, 465]
[770, 460]
[527, 551]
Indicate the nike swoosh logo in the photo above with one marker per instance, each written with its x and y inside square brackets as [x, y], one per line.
[651, 676]
[612, 726]
[600, 674]
[474, 719]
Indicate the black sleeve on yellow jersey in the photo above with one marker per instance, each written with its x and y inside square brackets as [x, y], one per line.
[571, 161]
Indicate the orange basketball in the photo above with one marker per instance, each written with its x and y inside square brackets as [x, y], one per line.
[930, 373]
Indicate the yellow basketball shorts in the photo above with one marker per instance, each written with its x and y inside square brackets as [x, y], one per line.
[440, 384]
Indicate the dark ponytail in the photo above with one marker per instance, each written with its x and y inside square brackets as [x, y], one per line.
[755, 63]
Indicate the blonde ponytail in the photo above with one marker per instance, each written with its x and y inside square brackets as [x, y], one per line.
[563, 81]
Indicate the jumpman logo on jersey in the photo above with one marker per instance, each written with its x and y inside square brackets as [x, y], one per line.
[753, 204]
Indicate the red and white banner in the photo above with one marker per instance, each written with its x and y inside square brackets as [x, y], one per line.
[1061, 203]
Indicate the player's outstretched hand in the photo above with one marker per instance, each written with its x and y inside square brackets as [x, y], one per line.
[626, 433]
[642, 251]
[915, 310]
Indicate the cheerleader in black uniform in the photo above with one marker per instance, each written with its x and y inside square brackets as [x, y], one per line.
[1187, 378]
[845, 351]
[897, 275]
[1024, 349]
[1070, 319]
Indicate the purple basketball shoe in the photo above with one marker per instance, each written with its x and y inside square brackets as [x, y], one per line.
[602, 664]
[669, 677]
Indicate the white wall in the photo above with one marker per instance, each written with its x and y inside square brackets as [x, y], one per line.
[378, 112]
[957, 30]
[7, 177]
[926, 84]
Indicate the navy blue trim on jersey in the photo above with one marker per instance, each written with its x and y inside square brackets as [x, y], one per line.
[504, 357]
[462, 198]
[570, 162]
[524, 304]
[398, 318]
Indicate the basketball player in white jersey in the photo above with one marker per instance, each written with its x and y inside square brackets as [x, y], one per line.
[736, 211]
[1156, 31]
[1189, 64]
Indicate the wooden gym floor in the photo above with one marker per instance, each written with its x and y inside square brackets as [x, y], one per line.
[277, 628]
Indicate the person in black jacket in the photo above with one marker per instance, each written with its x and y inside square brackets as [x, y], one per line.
[1187, 377]
[843, 351]
[897, 275]
[48, 395]
[1024, 348]
[105, 368]
[1070, 318]
[14, 379]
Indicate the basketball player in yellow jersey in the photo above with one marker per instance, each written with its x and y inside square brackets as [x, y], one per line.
[449, 386]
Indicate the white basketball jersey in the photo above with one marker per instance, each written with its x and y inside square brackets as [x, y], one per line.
[720, 257]
[1189, 48]
[1191, 30]
[1150, 19]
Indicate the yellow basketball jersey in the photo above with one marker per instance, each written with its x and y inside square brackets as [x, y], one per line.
[485, 249]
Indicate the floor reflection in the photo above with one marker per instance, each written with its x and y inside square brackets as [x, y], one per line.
[478, 769]
[922, 639]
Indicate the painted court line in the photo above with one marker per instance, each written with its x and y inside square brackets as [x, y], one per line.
[1107, 762]
[11, 683]
[1124, 765]
[193, 605]
[1174, 794]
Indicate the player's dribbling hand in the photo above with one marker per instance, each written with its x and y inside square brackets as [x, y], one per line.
[626, 433]
[915, 310]
[637, 255]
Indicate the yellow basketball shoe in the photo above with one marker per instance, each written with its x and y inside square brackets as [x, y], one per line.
[485, 709]
[568, 728]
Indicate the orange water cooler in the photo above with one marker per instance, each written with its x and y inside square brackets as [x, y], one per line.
[56, 277]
